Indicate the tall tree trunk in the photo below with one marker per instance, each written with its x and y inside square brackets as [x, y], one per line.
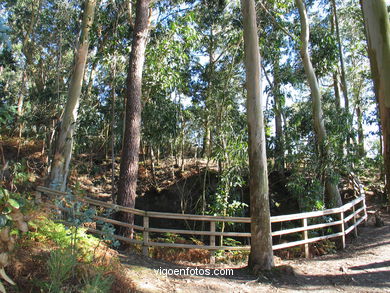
[336, 81]
[341, 57]
[336, 87]
[207, 139]
[332, 195]
[279, 147]
[376, 19]
[130, 152]
[113, 100]
[359, 118]
[261, 256]
[359, 115]
[27, 48]
[63, 151]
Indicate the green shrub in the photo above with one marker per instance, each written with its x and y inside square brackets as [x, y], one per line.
[48, 230]
[97, 284]
[61, 265]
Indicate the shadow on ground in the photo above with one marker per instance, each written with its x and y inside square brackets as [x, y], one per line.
[363, 267]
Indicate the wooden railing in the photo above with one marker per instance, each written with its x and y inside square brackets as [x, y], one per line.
[345, 218]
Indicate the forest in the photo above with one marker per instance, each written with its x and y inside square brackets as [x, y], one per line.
[211, 108]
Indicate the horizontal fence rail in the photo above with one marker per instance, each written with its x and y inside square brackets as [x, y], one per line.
[345, 219]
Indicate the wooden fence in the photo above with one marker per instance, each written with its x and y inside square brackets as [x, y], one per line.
[345, 218]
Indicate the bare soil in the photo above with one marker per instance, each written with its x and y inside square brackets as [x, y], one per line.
[364, 266]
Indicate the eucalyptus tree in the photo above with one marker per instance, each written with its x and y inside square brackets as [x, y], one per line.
[23, 17]
[261, 256]
[64, 143]
[166, 82]
[105, 81]
[335, 22]
[215, 68]
[376, 19]
[42, 51]
[357, 70]
[130, 152]
[27, 49]
[273, 41]
[332, 198]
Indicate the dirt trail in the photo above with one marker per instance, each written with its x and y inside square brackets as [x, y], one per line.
[364, 266]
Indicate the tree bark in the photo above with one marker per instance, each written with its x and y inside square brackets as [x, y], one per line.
[376, 19]
[27, 50]
[63, 152]
[336, 90]
[332, 195]
[279, 141]
[359, 116]
[261, 255]
[341, 57]
[113, 101]
[344, 86]
[130, 152]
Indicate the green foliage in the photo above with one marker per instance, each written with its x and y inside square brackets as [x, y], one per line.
[193, 84]
[9, 202]
[48, 230]
[236, 256]
[7, 115]
[75, 248]
[61, 265]
[19, 172]
[171, 238]
[308, 191]
[227, 201]
[12, 222]
[324, 49]
[231, 242]
[97, 284]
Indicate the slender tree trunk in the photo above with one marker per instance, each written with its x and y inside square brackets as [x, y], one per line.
[207, 140]
[64, 144]
[279, 147]
[152, 166]
[341, 56]
[336, 87]
[182, 135]
[376, 19]
[261, 256]
[359, 117]
[332, 195]
[91, 78]
[23, 93]
[206, 137]
[336, 81]
[113, 100]
[130, 152]
[27, 52]
[182, 142]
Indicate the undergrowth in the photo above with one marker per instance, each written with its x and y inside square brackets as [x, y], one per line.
[47, 259]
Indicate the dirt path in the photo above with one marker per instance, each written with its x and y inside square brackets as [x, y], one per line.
[363, 267]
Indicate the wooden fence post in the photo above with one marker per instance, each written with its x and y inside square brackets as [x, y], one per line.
[305, 237]
[212, 243]
[342, 229]
[365, 210]
[145, 248]
[354, 222]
